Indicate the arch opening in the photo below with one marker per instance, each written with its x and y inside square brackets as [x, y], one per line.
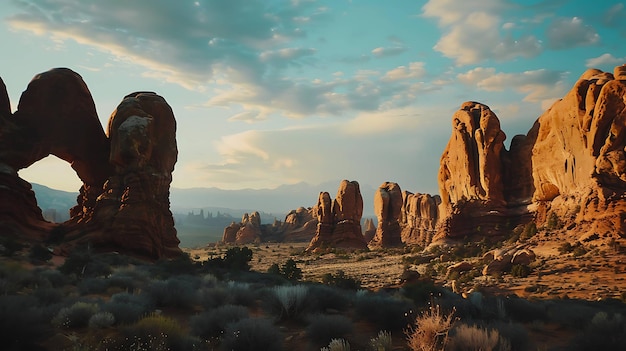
[56, 187]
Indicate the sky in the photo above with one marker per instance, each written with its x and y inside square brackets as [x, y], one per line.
[270, 92]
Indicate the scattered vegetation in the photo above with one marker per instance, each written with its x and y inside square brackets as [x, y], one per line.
[112, 302]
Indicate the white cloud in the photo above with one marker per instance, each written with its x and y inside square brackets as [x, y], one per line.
[605, 60]
[543, 86]
[390, 51]
[565, 33]
[472, 32]
[379, 146]
[414, 70]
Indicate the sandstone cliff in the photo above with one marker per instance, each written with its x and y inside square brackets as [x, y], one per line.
[571, 164]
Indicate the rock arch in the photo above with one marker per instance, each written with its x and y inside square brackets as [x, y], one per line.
[123, 203]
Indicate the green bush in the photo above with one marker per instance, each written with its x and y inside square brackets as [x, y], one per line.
[289, 302]
[529, 231]
[471, 338]
[154, 332]
[101, 320]
[341, 280]
[127, 308]
[382, 341]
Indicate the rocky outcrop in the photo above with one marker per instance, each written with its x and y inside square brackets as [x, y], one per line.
[571, 164]
[471, 165]
[388, 203]
[245, 232]
[369, 229]
[339, 220]
[124, 200]
[299, 225]
[420, 215]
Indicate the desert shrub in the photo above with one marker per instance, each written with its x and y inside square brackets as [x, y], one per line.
[127, 308]
[420, 292]
[565, 248]
[288, 302]
[382, 341]
[341, 280]
[322, 328]
[514, 333]
[92, 286]
[75, 316]
[101, 320]
[570, 313]
[126, 280]
[579, 250]
[603, 332]
[473, 338]
[274, 269]
[240, 294]
[177, 291]
[337, 345]
[383, 311]
[291, 271]
[53, 277]
[524, 311]
[325, 297]
[153, 332]
[520, 271]
[212, 297]
[211, 324]
[49, 296]
[14, 278]
[430, 332]
[22, 323]
[182, 264]
[9, 246]
[553, 221]
[251, 334]
[39, 253]
[83, 263]
[529, 231]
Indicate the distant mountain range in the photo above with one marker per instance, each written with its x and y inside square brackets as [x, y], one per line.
[278, 201]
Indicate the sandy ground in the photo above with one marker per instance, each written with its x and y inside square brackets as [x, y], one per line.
[599, 274]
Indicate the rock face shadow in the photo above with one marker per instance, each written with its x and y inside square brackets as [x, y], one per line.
[123, 203]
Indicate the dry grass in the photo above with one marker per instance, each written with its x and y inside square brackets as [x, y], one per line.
[430, 332]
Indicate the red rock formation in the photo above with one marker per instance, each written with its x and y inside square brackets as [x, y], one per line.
[420, 215]
[388, 203]
[300, 225]
[339, 224]
[572, 163]
[124, 201]
[246, 232]
[471, 166]
[370, 230]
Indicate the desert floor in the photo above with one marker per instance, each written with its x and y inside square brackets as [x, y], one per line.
[599, 274]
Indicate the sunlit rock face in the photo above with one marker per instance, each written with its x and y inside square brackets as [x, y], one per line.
[339, 220]
[388, 203]
[420, 215]
[124, 200]
[571, 163]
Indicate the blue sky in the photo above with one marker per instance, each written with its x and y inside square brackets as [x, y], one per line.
[277, 92]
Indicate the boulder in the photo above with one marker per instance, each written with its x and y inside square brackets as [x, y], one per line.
[459, 267]
[523, 257]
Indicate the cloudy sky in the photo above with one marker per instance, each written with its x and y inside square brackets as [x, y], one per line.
[270, 92]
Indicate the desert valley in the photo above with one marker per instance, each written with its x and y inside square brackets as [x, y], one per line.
[522, 249]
